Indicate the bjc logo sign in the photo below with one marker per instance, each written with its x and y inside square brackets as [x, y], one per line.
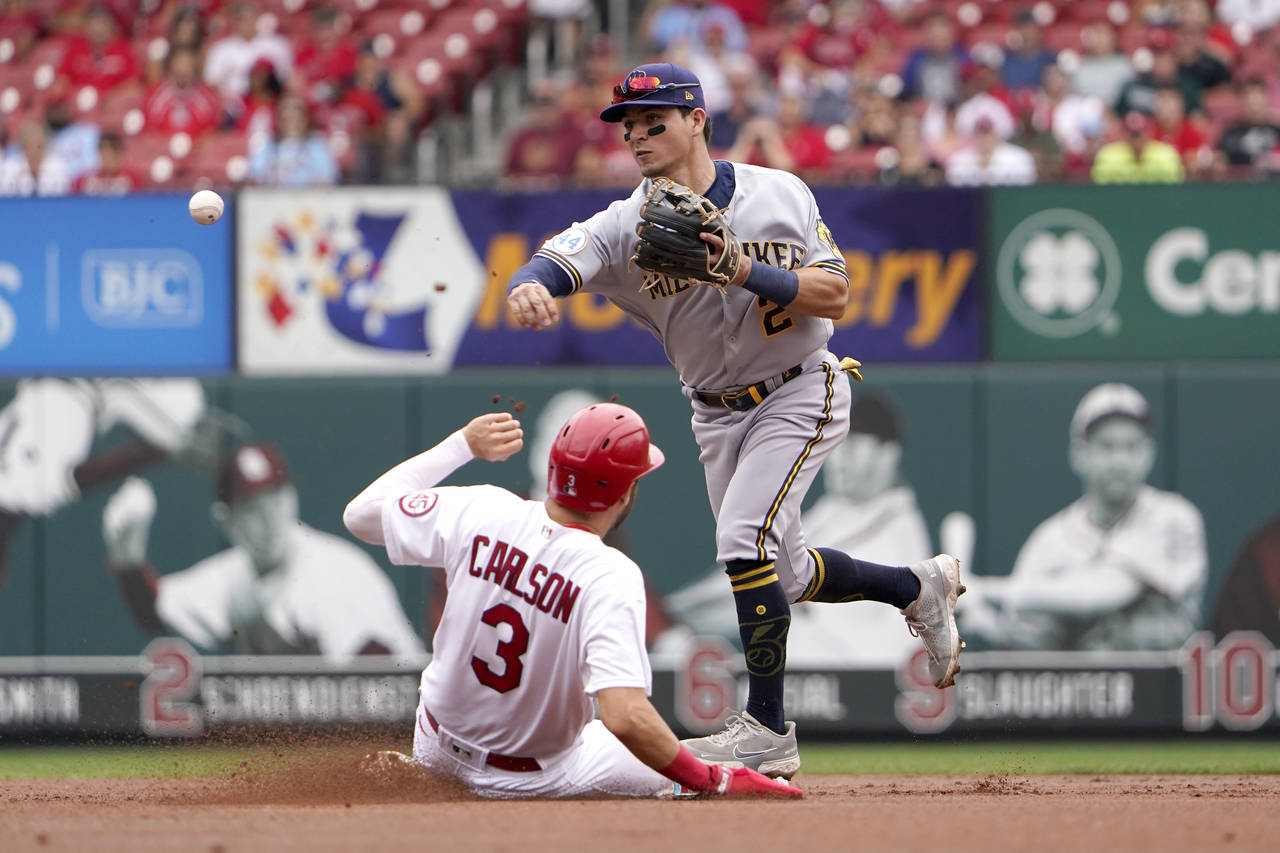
[142, 288]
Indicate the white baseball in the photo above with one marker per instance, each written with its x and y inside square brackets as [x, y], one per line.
[205, 207]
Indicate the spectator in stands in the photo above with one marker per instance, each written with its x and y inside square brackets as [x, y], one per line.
[1259, 15]
[20, 23]
[327, 62]
[910, 164]
[844, 32]
[542, 153]
[875, 123]
[74, 141]
[296, 157]
[933, 70]
[943, 138]
[100, 59]
[1216, 38]
[712, 62]
[990, 160]
[1138, 158]
[227, 66]
[671, 23]
[1199, 61]
[31, 168]
[746, 92]
[181, 102]
[112, 176]
[1251, 139]
[1027, 58]
[386, 106]
[1140, 93]
[1078, 122]
[186, 30]
[1173, 126]
[804, 141]
[987, 98]
[256, 113]
[1037, 139]
[1103, 71]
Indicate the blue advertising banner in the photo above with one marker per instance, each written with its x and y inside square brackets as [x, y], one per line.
[912, 258]
[113, 285]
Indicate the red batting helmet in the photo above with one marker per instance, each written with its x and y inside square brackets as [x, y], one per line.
[598, 454]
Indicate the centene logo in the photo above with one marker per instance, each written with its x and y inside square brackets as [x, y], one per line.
[1058, 274]
[142, 288]
[1229, 281]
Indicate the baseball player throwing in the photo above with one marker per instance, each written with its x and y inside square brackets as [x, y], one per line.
[541, 615]
[740, 284]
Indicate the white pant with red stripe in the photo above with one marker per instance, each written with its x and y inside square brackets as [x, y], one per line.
[597, 765]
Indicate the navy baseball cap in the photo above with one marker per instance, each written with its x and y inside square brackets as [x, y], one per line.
[662, 83]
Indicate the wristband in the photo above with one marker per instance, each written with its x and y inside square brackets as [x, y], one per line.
[689, 772]
[777, 285]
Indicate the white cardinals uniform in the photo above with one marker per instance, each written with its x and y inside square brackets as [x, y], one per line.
[328, 598]
[1160, 542]
[539, 617]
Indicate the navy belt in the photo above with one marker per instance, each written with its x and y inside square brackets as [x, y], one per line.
[749, 397]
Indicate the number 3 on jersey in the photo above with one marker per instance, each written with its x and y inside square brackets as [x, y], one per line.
[775, 320]
[510, 650]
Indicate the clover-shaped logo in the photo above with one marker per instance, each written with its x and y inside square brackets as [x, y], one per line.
[1059, 273]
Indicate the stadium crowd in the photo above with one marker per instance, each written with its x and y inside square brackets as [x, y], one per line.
[127, 95]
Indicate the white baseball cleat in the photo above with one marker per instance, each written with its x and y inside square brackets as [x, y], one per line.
[746, 743]
[932, 616]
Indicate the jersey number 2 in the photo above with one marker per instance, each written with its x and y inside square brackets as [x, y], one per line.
[775, 319]
[510, 651]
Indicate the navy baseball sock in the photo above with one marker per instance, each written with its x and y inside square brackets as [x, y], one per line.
[764, 617]
[839, 578]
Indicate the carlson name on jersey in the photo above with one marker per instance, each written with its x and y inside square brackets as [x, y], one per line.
[546, 590]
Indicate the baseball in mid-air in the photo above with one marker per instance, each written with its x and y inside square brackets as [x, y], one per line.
[205, 207]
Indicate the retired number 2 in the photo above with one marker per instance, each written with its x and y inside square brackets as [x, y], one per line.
[510, 650]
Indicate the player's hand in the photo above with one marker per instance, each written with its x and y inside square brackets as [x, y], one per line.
[717, 249]
[126, 522]
[745, 782]
[533, 306]
[494, 437]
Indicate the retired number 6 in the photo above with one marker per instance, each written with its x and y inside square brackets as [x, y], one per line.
[510, 651]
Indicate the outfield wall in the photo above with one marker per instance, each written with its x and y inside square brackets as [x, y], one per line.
[354, 327]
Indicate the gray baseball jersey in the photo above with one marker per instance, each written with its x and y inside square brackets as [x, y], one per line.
[758, 463]
[717, 340]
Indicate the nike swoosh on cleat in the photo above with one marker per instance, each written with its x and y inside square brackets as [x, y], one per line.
[737, 753]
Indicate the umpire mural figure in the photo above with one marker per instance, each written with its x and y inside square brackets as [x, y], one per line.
[738, 277]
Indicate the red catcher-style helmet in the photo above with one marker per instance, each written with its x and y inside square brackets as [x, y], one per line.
[598, 454]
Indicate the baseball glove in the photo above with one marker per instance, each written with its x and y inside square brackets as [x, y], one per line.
[671, 220]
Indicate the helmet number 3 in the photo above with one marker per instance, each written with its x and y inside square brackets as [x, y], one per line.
[509, 650]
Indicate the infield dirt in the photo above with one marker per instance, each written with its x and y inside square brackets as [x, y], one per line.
[326, 803]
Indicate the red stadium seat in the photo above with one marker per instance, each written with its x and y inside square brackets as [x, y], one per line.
[209, 162]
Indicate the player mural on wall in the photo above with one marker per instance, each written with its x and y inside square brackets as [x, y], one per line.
[1122, 568]
[770, 402]
[282, 588]
[49, 429]
[541, 617]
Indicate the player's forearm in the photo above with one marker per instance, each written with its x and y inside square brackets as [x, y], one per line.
[627, 713]
[821, 294]
[363, 515]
